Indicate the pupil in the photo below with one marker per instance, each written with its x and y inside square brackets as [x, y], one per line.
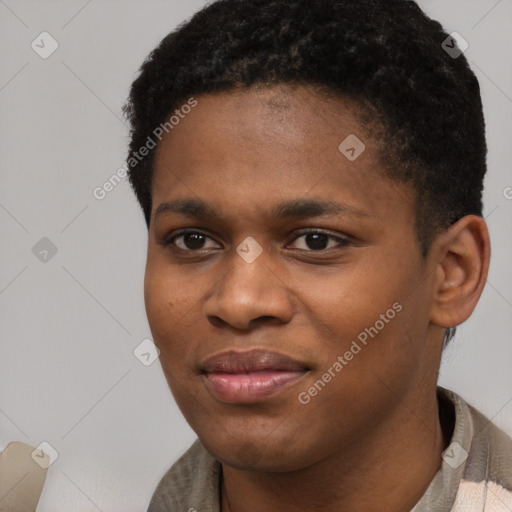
[194, 240]
[317, 241]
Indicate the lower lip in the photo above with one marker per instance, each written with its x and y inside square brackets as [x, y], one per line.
[245, 388]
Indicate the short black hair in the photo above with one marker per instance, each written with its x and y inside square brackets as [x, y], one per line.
[386, 56]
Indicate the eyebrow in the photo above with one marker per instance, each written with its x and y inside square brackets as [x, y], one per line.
[296, 209]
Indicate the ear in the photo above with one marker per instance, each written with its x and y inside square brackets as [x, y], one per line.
[462, 254]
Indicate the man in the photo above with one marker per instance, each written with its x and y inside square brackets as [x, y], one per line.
[311, 182]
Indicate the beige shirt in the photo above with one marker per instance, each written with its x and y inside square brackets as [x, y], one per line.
[475, 475]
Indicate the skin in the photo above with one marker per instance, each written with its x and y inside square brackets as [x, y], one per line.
[372, 438]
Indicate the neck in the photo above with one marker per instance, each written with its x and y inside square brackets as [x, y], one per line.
[388, 469]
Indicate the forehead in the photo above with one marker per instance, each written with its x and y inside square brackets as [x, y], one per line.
[258, 145]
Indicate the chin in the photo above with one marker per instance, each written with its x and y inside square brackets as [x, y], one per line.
[258, 453]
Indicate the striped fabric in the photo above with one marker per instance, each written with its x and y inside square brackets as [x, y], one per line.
[475, 474]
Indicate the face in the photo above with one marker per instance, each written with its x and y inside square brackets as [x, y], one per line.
[285, 286]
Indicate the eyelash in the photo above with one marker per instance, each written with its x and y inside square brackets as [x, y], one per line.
[342, 241]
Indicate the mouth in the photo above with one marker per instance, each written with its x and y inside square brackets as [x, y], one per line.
[250, 377]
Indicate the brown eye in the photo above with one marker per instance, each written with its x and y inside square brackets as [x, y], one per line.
[188, 241]
[194, 241]
[319, 241]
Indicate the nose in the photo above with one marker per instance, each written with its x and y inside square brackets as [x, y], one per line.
[249, 294]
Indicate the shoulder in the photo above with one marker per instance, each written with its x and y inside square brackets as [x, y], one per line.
[192, 483]
[487, 478]
[496, 445]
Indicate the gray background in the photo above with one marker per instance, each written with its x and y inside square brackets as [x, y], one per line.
[69, 325]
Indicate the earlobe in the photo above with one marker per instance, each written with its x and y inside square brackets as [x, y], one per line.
[463, 253]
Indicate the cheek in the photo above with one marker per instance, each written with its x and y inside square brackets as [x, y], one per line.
[343, 304]
[173, 308]
[158, 301]
[370, 315]
[166, 300]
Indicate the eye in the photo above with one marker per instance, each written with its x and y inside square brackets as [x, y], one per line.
[319, 240]
[313, 240]
[188, 241]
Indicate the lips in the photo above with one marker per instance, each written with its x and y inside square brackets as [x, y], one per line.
[251, 376]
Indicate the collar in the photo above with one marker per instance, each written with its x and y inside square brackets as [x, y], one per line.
[476, 471]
